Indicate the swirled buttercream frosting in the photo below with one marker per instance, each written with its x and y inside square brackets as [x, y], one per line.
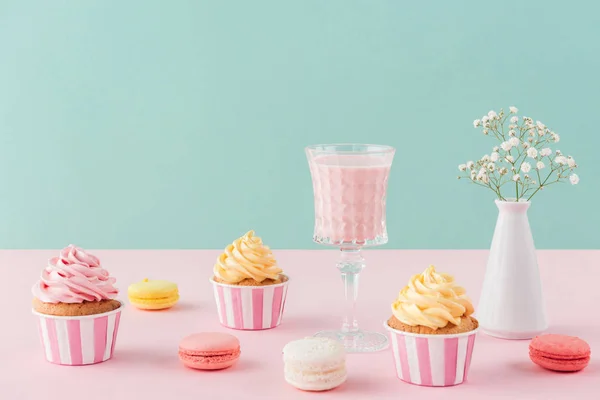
[246, 258]
[432, 299]
[74, 276]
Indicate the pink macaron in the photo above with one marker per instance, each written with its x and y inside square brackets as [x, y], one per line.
[560, 352]
[209, 350]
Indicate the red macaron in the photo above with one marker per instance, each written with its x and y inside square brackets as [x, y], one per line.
[209, 350]
[560, 352]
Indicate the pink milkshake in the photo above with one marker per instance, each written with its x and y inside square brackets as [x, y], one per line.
[350, 194]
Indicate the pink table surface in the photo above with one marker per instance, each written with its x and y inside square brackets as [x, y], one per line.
[145, 364]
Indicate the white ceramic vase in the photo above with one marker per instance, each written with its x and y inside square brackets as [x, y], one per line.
[512, 304]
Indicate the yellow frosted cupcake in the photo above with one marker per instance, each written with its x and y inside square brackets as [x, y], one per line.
[250, 289]
[432, 331]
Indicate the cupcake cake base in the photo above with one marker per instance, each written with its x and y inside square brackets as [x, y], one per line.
[467, 324]
[252, 282]
[75, 309]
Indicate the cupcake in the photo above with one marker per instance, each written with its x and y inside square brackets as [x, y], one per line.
[74, 302]
[432, 330]
[250, 289]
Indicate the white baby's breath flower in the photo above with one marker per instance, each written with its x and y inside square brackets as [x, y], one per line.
[476, 123]
[562, 160]
[502, 171]
[470, 164]
[496, 148]
[485, 131]
[516, 177]
[482, 176]
[514, 119]
[513, 109]
[540, 165]
[532, 152]
[555, 137]
[540, 125]
[485, 158]
[531, 133]
[511, 133]
[525, 167]
[491, 167]
[574, 178]
[494, 156]
[514, 141]
[492, 114]
[506, 146]
[526, 145]
[558, 152]
[510, 158]
[473, 175]
[485, 119]
[462, 167]
[545, 152]
[571, 162]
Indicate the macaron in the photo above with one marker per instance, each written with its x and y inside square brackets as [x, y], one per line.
[314, 364]
[560, 352]
[153, 294]
[209, 350]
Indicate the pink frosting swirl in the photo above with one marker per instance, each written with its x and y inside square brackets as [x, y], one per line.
[74, 277]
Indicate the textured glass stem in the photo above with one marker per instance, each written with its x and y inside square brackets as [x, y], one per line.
[350, 265]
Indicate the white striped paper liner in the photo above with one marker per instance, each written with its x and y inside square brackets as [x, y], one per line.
[79, 340]
[432, 360]
[250, 307]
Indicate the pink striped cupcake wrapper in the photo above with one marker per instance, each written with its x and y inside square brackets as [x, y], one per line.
[250, 307]
[432, 360]
[80, 340]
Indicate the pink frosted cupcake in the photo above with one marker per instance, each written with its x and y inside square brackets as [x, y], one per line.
[78, 316]
[250, 288]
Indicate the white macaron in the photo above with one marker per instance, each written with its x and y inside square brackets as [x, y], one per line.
[314, 363]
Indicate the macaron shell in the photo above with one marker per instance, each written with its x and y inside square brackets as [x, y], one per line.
[209, 342]
[211, 366]
[152, 289]
[158, 304]
[316, 380]
[560, 365]
[560, 346]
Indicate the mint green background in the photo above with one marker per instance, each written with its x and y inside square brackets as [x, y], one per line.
[181, 124]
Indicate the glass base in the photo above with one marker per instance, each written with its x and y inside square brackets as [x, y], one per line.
[359, 341]
[375, 241]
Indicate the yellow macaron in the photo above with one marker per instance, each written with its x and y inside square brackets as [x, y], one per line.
[153, 295]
